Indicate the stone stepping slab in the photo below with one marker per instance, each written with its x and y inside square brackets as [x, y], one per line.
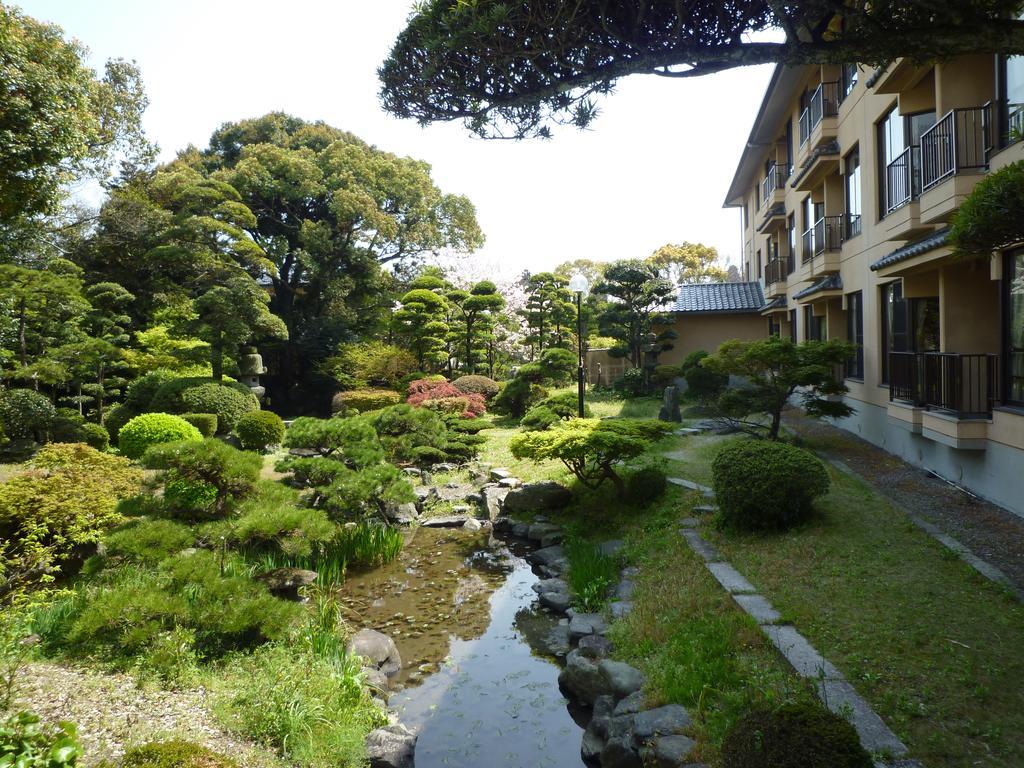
[709, 493]
[833, 689]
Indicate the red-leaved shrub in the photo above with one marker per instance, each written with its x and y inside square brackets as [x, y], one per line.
[426, 393]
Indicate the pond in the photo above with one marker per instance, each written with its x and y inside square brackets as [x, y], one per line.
[478, 684]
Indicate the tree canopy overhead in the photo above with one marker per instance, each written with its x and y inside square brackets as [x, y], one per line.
[513, 69]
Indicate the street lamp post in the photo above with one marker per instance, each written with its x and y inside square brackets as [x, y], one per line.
[579, 285]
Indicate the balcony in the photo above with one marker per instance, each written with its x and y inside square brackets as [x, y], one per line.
[824, 102]
[955, 150]
[825, 236]
[965, 386]
[776, 271]
[773, 186]
[902, 191]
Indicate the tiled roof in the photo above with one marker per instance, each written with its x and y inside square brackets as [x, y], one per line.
[828, 283]
[718, 297]
[779, 302]
[910, 250]
[779, 209]
[824, 150]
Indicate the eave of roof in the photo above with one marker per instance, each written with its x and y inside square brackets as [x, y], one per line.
[779, 209]
[827, 283]
[718, 299]
[823, 150]
[910, 250]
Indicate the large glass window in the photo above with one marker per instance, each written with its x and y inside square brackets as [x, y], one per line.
[791, 259]
[850, 73]
[853, 196]
[908, 325]
[855, 334]
[759, 264]
[1013, 97]
[815, 328]
[792, 325]
[894, 324]
[891, 143]
[1013, 280]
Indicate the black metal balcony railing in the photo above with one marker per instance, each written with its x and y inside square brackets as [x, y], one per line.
[774, 180]
[965, 385]
[960, 141]
[775, 271]
[903, 179]
[853, 225]
[827, 234]
[824, 102]
[1014, 123]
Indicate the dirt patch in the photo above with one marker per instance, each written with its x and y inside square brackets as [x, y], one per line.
[994, 534]
[113, 713]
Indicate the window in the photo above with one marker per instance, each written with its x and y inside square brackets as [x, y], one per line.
[894, 324]
[1011, 91]
[758, 263]
[815, 328]
[855, 334]
[808, 244]
[850, 74]
[1013, 282]
[853, 198]
[792, 325]
[774, 326]
[791, 259]
[891, 144]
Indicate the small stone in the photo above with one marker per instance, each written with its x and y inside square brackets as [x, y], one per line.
[444, 521]
[689, 522]
[590, 749]
[533, 497]
[510, 482]
[587, 624]
[663, 721]
[538, 531]
[595, 646]
[556, 642]
[581, 679]
[625, 589]
[620, 609]
[393, 746]
[556, 601]
[552, 538]
[520, 530]
[705, 509]
[546, 556]
[672, 751]
[472, 524]
[286, 582]
[618, 752]
[631, 704]
[550, 585]
[377, 648]
[499, 473]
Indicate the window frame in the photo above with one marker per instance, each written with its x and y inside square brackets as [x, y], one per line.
[855, 334]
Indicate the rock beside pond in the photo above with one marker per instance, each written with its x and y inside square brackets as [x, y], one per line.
[546, 556]
[286, 582]
[587, 624]
[557, 641]
[551, 585]
[619, 752]
[472, 524]
[631, 704]
[581, 679]
[669, 752]
[663, 721]
[377, 648]
[444, 521]
[403, 514]
[537, 531]
[622, 679]
[556, 601]
[595, 646]
[375, 679]
[494, 499]
[499, 473]
[534, 497]
[393, 746]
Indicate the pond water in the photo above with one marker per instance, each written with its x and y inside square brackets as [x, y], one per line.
[478, 687]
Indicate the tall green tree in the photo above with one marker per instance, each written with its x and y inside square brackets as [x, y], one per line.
[687, 263]
[421, 321]
[59, 122]
[516, 68]
[475, 313]
[549, 311]
[638, 294]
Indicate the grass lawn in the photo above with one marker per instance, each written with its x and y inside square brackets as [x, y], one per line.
[934, 647]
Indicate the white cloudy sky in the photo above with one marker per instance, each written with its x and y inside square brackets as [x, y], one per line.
[653, 169]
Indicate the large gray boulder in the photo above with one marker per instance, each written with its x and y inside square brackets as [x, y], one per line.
[581, 679]
[537, 497]
[393, 746]
[670, 405]
[619, 752]
[587, 624]
[669, 752]
[663, 721]
[547, 555]
[286, 582]
[622, 678]
[595, 646]
[378, 649]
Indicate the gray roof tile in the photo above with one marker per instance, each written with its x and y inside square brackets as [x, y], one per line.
[718, 297]
[828, 283]
[910, 250]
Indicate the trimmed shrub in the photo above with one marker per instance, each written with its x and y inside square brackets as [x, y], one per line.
[631, 383]
[566, 405]
[558, 365]
[352, 440]
[765, 485]
[363, 400]
[518, 396]
[664, 375]
[140, 392]
[149, 429]
[444, 396]
[793, 736]
[95, 436]
[116, 418]
[71, 427]
[702, 384]
[272, 521]
[26, 415]
[180, 396]
[427, 456]
[188, 499]
[206, 423]
[478, 385]
[228, 403]
[174, 754]
[539, 418]
[260, 429]
[149, 541]
[204, 465]
[402, 429]
[645, 485]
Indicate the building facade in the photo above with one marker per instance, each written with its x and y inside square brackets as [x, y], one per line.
[847, 186]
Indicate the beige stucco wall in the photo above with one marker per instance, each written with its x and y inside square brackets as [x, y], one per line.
[708, 331]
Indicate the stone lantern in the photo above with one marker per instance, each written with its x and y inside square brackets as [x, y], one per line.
[250, 367]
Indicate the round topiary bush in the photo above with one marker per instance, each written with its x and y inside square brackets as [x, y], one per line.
[197, 394]
[176, 753]
[793, 736]
[260, 429]
[539, 418]
[645, 485]
[765, 485]
[26, 415]
[149, 429]
[95, 436]
[116, 418]
[140, 393]
[206, 423]
[479, 385]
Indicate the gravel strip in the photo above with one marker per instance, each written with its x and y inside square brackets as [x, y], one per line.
[994, 534]
[113, 713]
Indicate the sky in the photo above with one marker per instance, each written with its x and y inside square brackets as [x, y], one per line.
[653, 168]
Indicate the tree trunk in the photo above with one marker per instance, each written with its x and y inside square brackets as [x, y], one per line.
[773, 432]
[217, 359]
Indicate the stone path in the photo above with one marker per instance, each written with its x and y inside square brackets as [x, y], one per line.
[833, 689]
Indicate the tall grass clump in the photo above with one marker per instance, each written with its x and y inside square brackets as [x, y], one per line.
[591, 574]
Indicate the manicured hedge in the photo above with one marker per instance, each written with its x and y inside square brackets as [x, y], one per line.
[174, 754]
[206, 423]
[364, 400]
[25, 414]
[766, 485]
[259, 429]
[198, 394]
[149, 429]
[479, 385]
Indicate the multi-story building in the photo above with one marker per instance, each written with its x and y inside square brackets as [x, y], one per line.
[847, 186]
